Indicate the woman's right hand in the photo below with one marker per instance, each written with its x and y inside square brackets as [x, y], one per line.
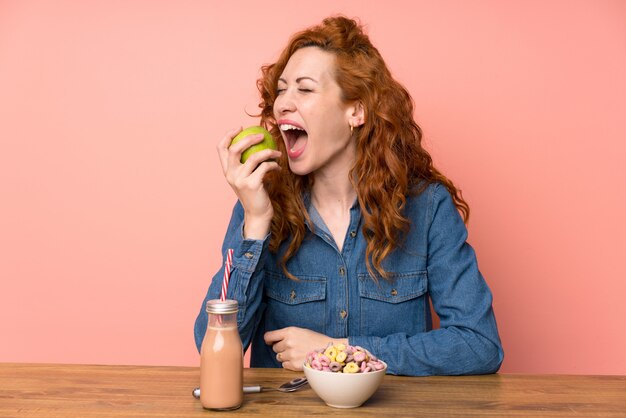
[247, 180]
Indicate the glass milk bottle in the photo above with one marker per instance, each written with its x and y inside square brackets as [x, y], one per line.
[221, 362]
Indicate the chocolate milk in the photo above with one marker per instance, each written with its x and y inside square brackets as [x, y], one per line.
[221, 363]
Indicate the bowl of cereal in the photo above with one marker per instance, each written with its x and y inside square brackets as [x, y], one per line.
[344, 376]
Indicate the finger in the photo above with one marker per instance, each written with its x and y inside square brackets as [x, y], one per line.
[272, 337]
[245, 143]
[289, 365]
[222, 146]
[263, 155]
[253, 162]
[235, 150]
[256, 178]
[224, 143]
[280, 347]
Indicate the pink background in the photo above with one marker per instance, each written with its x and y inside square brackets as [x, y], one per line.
[113, 204]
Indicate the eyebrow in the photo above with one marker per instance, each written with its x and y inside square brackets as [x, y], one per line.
[299, 79]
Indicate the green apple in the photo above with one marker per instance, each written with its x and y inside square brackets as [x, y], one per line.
[268, 141]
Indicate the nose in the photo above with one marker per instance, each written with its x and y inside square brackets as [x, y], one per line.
[284, 103]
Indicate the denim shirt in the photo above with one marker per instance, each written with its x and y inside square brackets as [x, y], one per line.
[336, 296]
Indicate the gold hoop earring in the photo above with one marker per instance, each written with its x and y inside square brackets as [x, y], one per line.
[351, 129]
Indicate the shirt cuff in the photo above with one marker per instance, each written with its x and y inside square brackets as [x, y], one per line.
[249, 252]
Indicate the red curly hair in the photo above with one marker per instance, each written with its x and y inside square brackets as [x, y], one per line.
[390, 161]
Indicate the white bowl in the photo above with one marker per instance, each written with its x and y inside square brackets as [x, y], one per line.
[344, 390]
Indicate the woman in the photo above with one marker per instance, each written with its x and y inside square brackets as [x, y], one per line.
[347, 231]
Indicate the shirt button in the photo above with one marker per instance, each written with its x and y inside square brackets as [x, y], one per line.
[394, 292]
[342, 271]
[248, 255]
[353, 234]
[343, 314]
[292, 295]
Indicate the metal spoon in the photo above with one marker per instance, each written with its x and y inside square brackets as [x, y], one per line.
[290, 386]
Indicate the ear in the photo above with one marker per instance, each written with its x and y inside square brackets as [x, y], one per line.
[356, 114]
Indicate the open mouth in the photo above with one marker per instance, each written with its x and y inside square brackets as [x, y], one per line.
[295, 138]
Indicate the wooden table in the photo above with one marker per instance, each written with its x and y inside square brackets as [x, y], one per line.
[49, 390]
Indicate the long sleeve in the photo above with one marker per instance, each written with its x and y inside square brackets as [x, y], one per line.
[467, 341]
[246, 281]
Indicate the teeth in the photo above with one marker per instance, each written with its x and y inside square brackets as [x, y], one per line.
[287, 127]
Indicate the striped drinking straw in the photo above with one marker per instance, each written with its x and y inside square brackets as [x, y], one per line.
[227, 267]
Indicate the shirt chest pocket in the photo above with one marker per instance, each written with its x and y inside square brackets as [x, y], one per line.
[396, 305]
[299, 303]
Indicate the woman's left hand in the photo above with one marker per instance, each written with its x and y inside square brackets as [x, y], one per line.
[292, 344]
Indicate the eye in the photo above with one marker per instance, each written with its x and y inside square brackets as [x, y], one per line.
[280, 91]
[305, 90]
